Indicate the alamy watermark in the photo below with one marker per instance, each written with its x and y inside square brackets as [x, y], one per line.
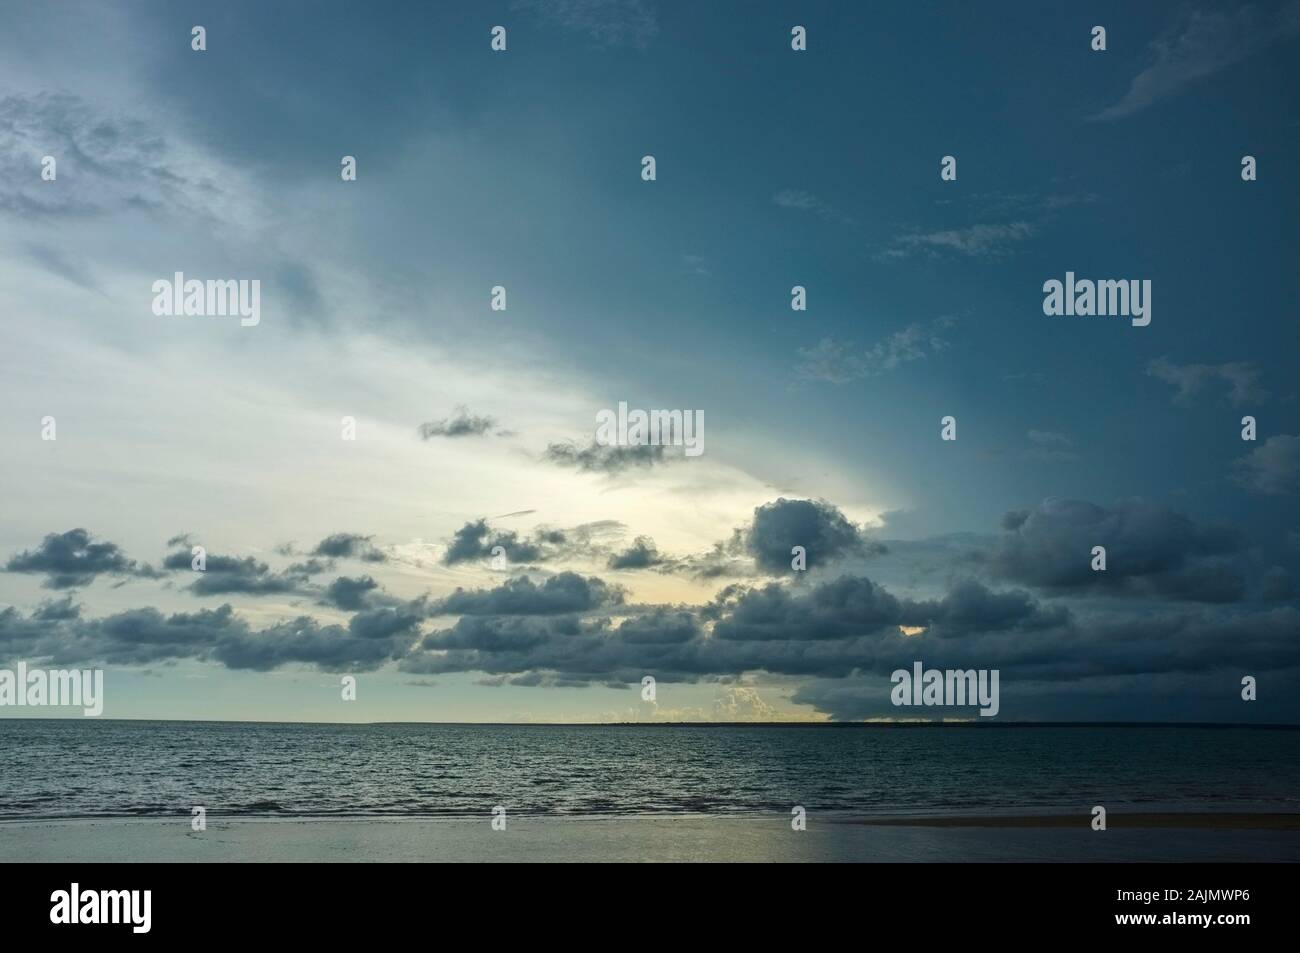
[655, 428]
[948, 687]
[130, 907]
[1105, 298]
[53, 688]
[211, 298]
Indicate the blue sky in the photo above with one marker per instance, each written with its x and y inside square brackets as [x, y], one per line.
[774, 168]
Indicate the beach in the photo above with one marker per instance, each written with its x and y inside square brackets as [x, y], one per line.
[1160, 838]
[92, 791]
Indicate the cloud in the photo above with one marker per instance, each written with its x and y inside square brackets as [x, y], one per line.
[1150, 550]
[1048, 438]
[742, 703]
[1273, 468]
[1241, 377]
[798, 199]
[847, 633]
[819, 527]
[476, 540]
[612, 23]
[642, 554]
[832, 362]
[72, 559]
[696, 265]
[763, 546]
[970, 606]
[58, 610]
[460, 424]
[802, 201]
[350, 593]
[105, 163]
[310, 567]
[835, 362]
[388, 623]
[1203, 43]
[1007, 204]
[349, 546]
[146, 636]
[851, 627]
[59, 262]
[566, 592]
[974, 241]
[1032, 377]
[605, 458]
[848, 608]
[1184, 611]
[1047, 446]
[224, 575]
[724, 560]
[663, 625]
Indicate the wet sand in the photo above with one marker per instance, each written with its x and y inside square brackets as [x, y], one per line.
[1224, 822]
[655, 839]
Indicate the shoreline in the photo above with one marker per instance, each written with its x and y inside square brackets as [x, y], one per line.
[1192, 819]
[658, 838]
[1179, 820]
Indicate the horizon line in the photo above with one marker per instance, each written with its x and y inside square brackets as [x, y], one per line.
[698, 724]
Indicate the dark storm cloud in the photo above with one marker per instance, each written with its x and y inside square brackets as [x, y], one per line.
[661, 626]
[1278, 586]
[387, 623]
[969, 606]
[847, 607]
[567, 592]
[830, 630]
[764, 546]
[853, 606]
[847, 633]
[1184, 665]
[820, 528]
[349, 593]
[567, 646]
[460, 424]
[305, 641]
[72, 559]
[605, 458]
[22, 635]
[1150, 550]
[132, 637]
[349, 546]
[846, 628]
[147, 636]
[853, 625]
[58, 610]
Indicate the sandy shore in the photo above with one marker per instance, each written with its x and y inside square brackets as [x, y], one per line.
[1222, 822]
[670, 839]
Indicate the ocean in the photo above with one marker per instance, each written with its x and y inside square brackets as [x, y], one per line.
[88, 768]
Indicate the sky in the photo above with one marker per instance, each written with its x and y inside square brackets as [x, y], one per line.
[476, 428]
